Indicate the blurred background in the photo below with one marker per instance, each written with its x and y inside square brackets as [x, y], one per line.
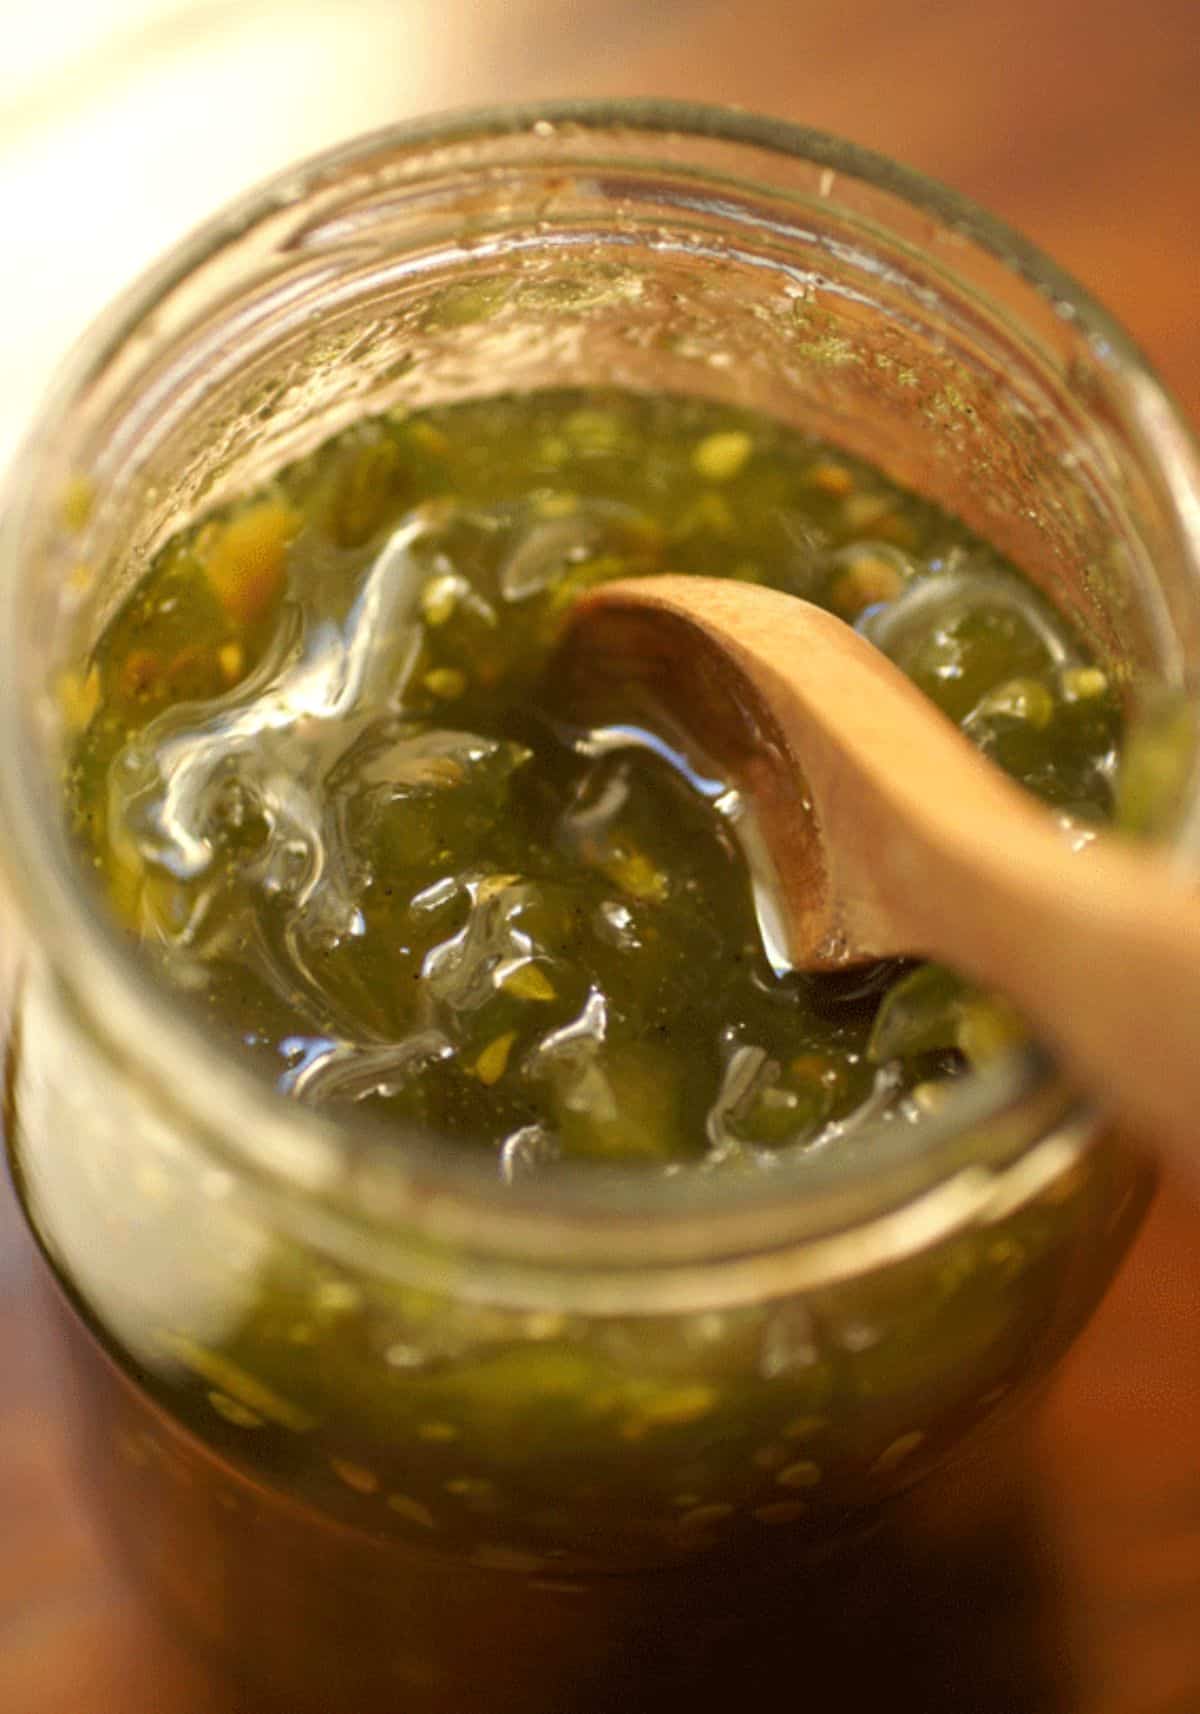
[1068, 1582]
[124, 122]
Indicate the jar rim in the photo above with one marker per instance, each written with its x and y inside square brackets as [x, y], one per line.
[973, 1159]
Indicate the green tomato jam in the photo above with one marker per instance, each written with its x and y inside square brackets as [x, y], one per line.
[323, 772]
[325, 779]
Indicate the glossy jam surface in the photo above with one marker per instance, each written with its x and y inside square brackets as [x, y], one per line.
[326, 779]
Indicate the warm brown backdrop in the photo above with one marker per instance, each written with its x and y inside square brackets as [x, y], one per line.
[1067, 1582]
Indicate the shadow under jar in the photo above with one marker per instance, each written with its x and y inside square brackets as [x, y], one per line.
[381, 1430]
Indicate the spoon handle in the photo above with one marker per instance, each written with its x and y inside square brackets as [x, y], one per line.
[931, 849]
[1100, 949]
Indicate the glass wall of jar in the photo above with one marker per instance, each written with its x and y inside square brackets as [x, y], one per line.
[352, 1399]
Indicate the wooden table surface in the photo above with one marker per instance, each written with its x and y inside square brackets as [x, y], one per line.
[1068, 1581]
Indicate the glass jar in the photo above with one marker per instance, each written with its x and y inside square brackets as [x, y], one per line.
[377, 1427]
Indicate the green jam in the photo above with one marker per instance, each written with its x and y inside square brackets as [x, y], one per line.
[324, 775]
[329, 779]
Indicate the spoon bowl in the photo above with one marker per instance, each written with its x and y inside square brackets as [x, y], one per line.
[889, 833]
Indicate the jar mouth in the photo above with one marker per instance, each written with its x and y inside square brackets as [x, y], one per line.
[1008, 1133]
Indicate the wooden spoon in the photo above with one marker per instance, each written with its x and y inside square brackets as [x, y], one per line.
[890, 833]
